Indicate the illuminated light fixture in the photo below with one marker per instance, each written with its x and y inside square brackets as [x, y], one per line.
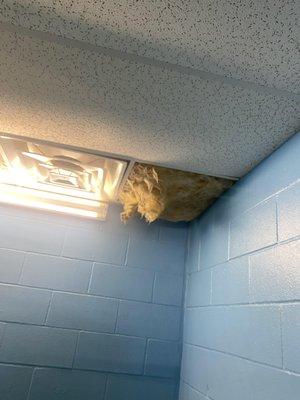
[65, 180]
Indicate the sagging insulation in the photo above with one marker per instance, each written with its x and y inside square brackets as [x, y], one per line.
[164, 193]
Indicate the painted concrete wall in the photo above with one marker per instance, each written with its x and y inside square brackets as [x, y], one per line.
[242, 314]
[89, 310]
[93, 310]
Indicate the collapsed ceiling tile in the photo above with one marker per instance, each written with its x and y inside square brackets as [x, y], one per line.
[165, 193]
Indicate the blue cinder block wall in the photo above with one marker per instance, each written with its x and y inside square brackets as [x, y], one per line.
[89, 310]
[242, 305]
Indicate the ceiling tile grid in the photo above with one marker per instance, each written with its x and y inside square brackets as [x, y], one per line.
[251, 40]
[153, 114]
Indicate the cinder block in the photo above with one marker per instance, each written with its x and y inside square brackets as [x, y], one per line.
[56, 273]
[168, 289]
[111, 353]
[275, 273]
[254, 229]
[122, 282]
[2, 327]
[290, 337]
[80, 243]
[96, 245]
[188, 393]
[83, 312]
[289, 212]
[54, 384]
[246, 331]
[173, 232]
[14, 382]
[193, 247]
[204, 370]
[23, 304]
[214, 230]
[138, 388]
[10, 265]
[156, 256]
[37, 345]
[199, 289]
[149, 320]
[230, 282]
[31, 235]
[162, 359]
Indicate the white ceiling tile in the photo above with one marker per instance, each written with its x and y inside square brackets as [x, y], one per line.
[88, 99]
[252, 40]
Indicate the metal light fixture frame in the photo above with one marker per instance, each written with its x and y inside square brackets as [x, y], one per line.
[61, 178]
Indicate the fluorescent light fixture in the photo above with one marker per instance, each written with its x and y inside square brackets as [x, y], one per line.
[51, 177]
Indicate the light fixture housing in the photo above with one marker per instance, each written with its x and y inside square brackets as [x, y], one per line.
[58, 178]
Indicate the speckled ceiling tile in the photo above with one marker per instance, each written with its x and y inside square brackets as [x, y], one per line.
[253, 40]
[87, 99]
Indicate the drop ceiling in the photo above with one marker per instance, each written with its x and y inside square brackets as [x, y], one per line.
[205, 86]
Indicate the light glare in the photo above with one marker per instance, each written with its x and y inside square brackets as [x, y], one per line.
[56, 179]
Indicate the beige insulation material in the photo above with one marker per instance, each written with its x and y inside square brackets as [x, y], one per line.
[164, 193]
